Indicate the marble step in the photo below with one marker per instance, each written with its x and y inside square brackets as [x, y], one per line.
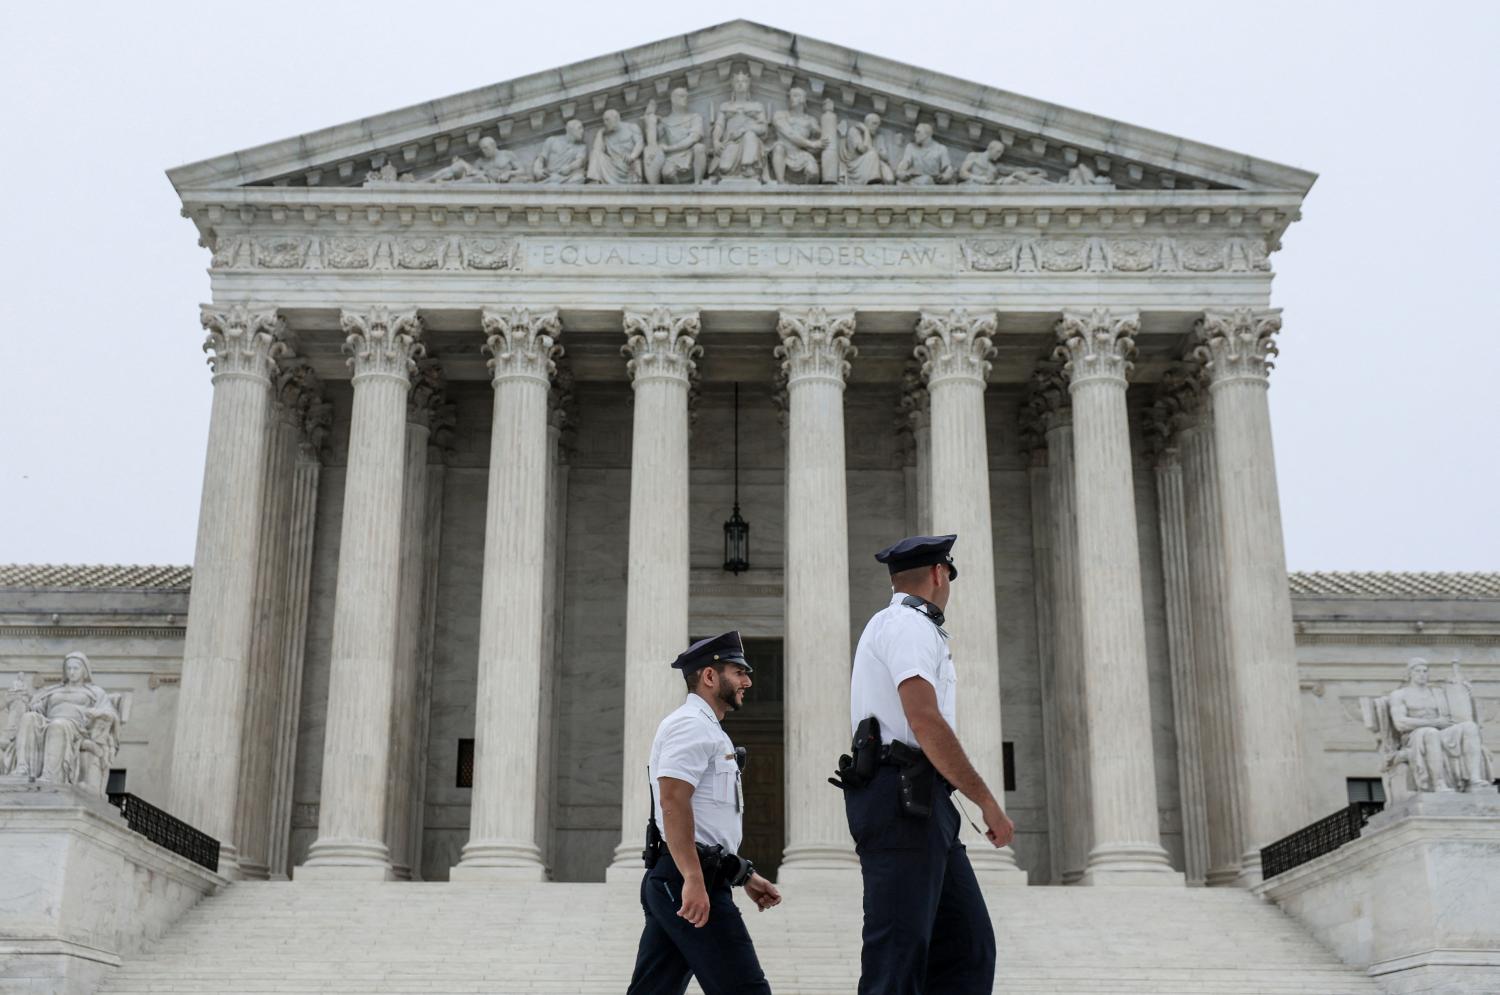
[387, 939]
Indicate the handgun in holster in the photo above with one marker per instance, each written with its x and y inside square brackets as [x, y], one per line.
[917, 778]
[857, 768]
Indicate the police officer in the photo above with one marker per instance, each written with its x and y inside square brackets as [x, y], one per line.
[693, 928]
[926, 928]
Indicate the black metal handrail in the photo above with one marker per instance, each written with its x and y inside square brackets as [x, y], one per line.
[167, 830]
[1310, 842]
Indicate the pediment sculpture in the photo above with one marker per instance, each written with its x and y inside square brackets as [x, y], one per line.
[742, 142]
[66, 733]
[1429, 735]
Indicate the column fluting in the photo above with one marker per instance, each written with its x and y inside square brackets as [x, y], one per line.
[317, 417]
[1075, 833]
[1205, 543]
[1097, 346]
[243, 343]
[267, 639]
[1164, 422]
[1235, 348]
[422, 403]
[661, 346]
[815, 351]
[954, 348]
[522, 345]
[383, 347]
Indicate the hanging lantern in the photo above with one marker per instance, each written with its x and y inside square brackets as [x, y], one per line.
[736, 530]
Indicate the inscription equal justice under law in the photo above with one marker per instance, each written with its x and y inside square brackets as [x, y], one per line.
[848, 256]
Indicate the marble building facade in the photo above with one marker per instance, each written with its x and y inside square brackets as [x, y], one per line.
[471, 448]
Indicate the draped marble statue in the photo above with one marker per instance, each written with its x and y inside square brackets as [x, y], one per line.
[616, 155]
[925, 160]
[494, 165]
[862, 160]
[1429, 735]
[564, 158]
[799, 141]
[16, 700]
[69, 732]
[982, 168]
[739, 138]
[675, 152]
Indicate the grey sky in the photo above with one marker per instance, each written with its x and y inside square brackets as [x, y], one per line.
[1384, 399]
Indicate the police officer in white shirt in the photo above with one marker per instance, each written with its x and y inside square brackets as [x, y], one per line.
[926, 928]
[693, 928]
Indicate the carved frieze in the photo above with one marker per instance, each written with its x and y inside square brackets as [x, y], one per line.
[987, 254]
[1023, 254]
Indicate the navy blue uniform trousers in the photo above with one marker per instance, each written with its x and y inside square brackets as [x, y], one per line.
[927, 931]
[673, 950]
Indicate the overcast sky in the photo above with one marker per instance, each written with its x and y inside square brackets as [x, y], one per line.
[1384, 398]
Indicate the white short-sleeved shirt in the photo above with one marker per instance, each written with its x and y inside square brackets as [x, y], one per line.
[691, 746]
[898, 643]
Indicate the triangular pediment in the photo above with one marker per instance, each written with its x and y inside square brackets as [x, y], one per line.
[496, 134]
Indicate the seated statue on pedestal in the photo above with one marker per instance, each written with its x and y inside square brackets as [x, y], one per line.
[1430, 737]
[68, 732]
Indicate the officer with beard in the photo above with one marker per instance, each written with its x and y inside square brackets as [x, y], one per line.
[693, 928]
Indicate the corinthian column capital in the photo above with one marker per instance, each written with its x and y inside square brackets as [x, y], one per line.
[956, 345]
[382, 342]
[1045, 407]
[521, 343]
[1097, 344]
[297, 388]
[243, 341]
[428, 395]
[1236, 344]
[815, 345]
[661, 344]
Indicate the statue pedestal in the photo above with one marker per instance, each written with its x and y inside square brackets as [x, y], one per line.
[80, 888]
[1415, 900]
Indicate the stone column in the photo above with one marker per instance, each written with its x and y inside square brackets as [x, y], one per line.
[257, 761]
[561, 417]
[1038, 474]
[1075, 812]
[1097, 346]
[1235, 348]
[243, 343]
[317, 417]
[1217, 720]
[502, 835]
[815, 351]
[422, 403]
[915, 417]
[440, 445]
[954, 349]
[351, 843]
[1162, 426]
[661, 346]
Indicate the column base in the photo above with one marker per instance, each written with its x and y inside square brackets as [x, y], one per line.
[1222, 877]
[626, 866]
[821, 863]
[1131, 864]
[994, 866]
[346, 860]
[498, 860]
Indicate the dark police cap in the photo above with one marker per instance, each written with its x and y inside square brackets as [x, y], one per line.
[919, 551]
[715, 649]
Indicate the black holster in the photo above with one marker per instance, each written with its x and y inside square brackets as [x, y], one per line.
[856, 769]
[918, 778]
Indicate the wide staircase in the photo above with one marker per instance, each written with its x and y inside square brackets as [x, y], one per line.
[507, 938]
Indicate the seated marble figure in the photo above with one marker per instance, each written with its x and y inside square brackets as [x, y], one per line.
[67, 733]
[1430, 736]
